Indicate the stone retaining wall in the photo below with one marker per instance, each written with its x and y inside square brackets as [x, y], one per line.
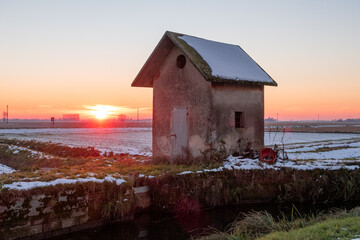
[34, 215]
[50, 211]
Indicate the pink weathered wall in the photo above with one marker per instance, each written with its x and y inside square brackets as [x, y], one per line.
[227, 99]
[211, 110]
[175, 87]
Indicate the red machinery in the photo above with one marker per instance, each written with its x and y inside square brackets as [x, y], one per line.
[267, 155]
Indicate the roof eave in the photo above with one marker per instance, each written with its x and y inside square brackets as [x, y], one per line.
[241, 82]
[146, 75]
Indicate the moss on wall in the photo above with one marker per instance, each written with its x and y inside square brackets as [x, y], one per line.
[251, 186]
[38, 210]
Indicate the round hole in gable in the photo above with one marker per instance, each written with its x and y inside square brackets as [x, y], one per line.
[181, 61]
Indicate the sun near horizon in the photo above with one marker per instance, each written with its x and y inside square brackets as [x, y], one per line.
[102, 112]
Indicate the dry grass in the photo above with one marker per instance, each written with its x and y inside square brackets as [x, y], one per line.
[67, 162]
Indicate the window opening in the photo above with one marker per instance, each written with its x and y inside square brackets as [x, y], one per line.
[181, 61]
[239, 120]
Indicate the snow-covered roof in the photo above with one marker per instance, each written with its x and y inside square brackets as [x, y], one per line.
[216, 61]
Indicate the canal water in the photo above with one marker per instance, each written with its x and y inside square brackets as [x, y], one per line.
[157, 226]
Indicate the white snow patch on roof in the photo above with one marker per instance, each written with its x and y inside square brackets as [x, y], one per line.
[228, 61]
[35, 184]
[5, 169]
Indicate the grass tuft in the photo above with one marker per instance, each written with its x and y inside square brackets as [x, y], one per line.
[337, 223]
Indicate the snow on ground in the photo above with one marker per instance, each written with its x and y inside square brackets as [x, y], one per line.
[138, 141]
[185, 172]
[35, 184]
[135, 141]
[306, 151]
[345, 153]
[289, 138]
[239, 163]
[5, 169]
[17, 149]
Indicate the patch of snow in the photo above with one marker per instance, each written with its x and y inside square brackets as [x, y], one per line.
[185, 172]
[228, 61]
[33, 153]
[239, 163]
[5, 169]
[35, 184]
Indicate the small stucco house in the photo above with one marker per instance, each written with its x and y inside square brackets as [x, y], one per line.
[206, 95]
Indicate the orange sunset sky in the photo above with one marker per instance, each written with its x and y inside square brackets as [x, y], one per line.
[62, 57]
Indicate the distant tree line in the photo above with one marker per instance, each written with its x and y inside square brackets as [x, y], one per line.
[349, 120]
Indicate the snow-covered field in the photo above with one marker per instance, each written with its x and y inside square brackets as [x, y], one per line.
[272, 138]
[319, 146]
[300, 146]
[305, 150]
[119, 140]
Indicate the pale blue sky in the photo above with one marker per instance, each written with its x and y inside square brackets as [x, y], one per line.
[71, 53]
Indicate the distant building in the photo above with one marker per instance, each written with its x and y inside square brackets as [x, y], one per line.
[205, 93]
[270, 119]
[71, 117]
[121, 117]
